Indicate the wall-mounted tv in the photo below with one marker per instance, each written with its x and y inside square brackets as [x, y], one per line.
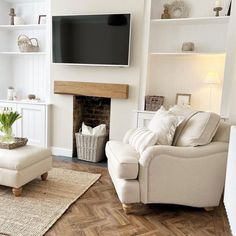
[92, 39]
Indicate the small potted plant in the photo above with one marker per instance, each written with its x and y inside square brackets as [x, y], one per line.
[7, 119]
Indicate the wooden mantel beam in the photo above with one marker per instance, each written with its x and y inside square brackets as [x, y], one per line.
[117, 91]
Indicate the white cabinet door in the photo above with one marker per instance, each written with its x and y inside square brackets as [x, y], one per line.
[230, 184]
[13, 107]
[33, 123]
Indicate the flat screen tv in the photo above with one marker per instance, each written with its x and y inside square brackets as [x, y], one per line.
[92, 39]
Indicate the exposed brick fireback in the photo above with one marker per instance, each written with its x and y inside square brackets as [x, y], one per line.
[92, 111]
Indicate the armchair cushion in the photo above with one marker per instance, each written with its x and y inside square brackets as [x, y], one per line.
[123, 159]
[141, 138]
[199, 129]
[164, 124]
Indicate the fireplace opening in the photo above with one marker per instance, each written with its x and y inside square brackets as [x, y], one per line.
[93, 111]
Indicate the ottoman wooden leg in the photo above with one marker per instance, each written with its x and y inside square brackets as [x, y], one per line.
[44, 176]
[17, 191]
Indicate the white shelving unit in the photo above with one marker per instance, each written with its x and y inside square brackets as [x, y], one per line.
[28, 73]
[168, 70]
[187, 54]
[193, 21]
[23, 53]
[23, 27]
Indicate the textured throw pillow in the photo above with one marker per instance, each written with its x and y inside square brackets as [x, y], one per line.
[164, 124]
[141, 138]
[199, 130]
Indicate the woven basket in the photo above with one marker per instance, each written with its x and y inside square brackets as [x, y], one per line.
[91, 148]
[153, 103]
[27, 44]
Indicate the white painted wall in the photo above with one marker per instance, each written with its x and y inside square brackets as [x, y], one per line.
[122, 117]
[229, 95]
[170, 75]
[228, 110]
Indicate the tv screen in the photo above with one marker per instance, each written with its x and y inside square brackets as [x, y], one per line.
[92, 39]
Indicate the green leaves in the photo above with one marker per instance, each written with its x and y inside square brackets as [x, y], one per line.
[8, 118]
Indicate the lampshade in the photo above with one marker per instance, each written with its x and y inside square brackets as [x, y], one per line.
[212, 78]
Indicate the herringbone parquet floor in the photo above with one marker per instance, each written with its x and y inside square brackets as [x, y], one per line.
[99, 213]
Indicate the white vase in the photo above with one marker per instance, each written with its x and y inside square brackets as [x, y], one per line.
[10, 94]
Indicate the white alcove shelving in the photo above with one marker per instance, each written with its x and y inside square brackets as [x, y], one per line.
[167, 70]
[28, 73]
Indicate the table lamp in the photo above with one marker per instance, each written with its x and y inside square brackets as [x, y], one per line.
[212, 79]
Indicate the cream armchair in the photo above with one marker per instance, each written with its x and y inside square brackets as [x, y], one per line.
[191, 176]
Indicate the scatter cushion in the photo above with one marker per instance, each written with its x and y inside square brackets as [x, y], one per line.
[186, 112]
[199, 130]
[164, 124]
[222, 133]
[141, 138]
[96, 131]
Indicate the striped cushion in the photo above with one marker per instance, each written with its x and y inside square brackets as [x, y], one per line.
[142, 138]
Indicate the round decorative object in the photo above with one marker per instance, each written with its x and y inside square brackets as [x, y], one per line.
[179, 9]
[18, 20]
[31, 97]
[188, 47]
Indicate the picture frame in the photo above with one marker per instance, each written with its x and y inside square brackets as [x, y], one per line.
[42, 19]
[183, 99]
[227, 7]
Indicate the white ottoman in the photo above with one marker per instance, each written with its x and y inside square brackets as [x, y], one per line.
[21, 165]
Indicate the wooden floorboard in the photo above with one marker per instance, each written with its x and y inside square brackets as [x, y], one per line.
[99, 213]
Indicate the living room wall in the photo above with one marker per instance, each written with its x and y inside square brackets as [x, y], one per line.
[122, 116]
[229, 95]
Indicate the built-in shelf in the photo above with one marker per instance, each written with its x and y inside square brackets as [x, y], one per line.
[23, 53]
[144, 111]
[23, 1]
[192, 21]
[23, 27]
[187, 54]
[33, 102]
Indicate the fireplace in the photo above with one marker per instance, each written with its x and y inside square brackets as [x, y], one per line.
[93, 111]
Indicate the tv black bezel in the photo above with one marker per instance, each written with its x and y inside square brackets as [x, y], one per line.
[98, 65]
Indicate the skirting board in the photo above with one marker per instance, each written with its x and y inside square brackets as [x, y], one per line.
[56, 151]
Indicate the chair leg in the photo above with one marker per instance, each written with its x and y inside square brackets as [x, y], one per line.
[17, 191]
[209, 209]
[44, 176]
[136, 209]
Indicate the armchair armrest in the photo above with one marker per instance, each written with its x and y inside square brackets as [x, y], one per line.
[182, 152]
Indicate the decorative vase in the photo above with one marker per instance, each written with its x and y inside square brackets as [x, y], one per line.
[7, 135]
[10, 93]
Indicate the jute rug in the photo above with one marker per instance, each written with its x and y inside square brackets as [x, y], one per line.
[41, 203]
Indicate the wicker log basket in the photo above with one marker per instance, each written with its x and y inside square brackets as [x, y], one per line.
[27, 44]
[90, 148]
[153, 103]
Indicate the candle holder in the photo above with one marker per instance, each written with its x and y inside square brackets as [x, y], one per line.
[12, 15]
[217, 10]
